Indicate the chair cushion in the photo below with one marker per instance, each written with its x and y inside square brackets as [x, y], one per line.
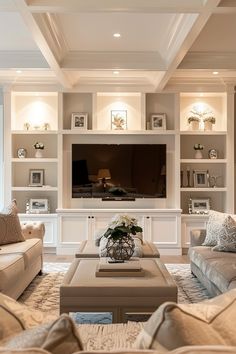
[227, 239]
[10, 229]
[173, 325]
[12, 267]
[15, 317]
[58, 337]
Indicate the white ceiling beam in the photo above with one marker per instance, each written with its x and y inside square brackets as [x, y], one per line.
[208, 60]
[41, 42]
[198, 25]
[72, 6]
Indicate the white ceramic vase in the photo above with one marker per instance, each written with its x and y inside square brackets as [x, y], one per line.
[207, 125]
[38, 153]
[198, 154]
[195, 125]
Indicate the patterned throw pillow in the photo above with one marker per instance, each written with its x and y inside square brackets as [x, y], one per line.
[59, 337]
[10, 229]
[227, 239]
[214, 228]
[210, 322]
[15, 317]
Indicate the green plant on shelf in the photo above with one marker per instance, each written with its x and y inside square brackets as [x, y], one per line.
[198, 147]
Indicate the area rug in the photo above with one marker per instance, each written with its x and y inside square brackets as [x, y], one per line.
[43, 292]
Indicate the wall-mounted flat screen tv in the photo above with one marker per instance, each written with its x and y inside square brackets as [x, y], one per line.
[112, 171]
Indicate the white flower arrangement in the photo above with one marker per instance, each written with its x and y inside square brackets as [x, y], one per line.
[38, 145]
[121, 225]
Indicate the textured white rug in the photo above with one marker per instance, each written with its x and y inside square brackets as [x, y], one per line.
[43, 292]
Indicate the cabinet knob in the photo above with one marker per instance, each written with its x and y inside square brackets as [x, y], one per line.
[147, 217]
[92, 217]
[89, 217]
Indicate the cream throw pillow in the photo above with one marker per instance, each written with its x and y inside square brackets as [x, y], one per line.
[214, 228]
[15, 317]
[227, 239]
[59, 337]
[10, 229]
[211, 322]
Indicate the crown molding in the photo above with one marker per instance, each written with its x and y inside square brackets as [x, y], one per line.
[209, 60]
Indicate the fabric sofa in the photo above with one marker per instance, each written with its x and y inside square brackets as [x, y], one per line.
[216, 270]
[20, 262]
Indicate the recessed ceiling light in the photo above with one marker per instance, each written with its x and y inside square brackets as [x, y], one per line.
[18, 71]
[116, 72]
[117, 35]
[215, 72]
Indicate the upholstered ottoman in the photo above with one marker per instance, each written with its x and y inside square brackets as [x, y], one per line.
[82, 291]
[88, 249]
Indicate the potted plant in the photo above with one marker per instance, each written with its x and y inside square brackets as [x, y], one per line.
[120, 232]
[208, 121]
[38, 147]
[198, 148]
[194, 122]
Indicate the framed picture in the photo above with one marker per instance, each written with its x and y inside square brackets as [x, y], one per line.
[79, 120]
[118, 120]
[36, 178]
[158, 121]
[200, 206]
[200, 178]
[37, 206]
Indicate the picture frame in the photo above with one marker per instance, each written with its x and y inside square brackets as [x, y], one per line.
[200, 206]
[158, 121]
[79, 121]
[38, 206]
[118, 119]
[200, 178]
[36, 178]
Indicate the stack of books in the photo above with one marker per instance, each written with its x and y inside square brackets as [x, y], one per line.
[131, 268]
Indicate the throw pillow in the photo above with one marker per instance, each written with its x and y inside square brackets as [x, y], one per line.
[10, 229]
[214, 228]
[59, 337]
[173, 325]
[15, 317]
[227, 239]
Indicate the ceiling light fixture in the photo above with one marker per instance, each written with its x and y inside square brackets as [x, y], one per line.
[215, 72]
[116, 72]
[117, 35]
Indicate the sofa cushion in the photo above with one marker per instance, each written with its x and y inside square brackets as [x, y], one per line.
[15, 317]
[10, 229]
[30, 250]
[24, 351]
[58, 337]
[227, 240]
[173, 325]
[214, 228]
[12, 267]
[219, 267]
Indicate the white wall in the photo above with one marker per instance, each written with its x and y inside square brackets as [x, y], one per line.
[1, 150]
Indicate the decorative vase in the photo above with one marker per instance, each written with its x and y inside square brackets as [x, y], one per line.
[38, 153]
[198, 154]
[121, 248]
[207, 125]
[195, 125]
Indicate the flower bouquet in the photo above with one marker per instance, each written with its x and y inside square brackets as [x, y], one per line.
[122, 225]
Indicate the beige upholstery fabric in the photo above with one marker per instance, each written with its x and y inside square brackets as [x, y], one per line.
[227, 240]
[10, 229]
[15, 317]
[208, 323]
[59, 337]
[23, 351]
[11, 269]
[32, 229]
[204, 349]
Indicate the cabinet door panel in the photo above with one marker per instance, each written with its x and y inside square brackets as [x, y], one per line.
[74, 229]
[164, 230]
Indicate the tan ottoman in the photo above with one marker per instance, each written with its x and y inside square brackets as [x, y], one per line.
[88, 249]
[82, 291]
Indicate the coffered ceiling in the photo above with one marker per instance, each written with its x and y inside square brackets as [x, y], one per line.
[70, 44]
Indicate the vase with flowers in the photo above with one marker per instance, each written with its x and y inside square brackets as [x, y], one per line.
[39, 147]
[120, 242]
[198, 151]
[208, 122]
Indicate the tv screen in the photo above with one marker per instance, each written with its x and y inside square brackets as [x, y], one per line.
[112, 171]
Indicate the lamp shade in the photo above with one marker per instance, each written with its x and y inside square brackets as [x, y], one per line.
[104, 173]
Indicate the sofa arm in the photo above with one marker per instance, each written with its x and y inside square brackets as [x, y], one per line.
[33, 229]
[197, 237]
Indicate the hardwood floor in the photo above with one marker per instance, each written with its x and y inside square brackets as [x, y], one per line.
[49, 257]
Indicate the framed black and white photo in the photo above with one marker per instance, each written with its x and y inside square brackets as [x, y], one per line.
[158, 121]
[36, 178]
[200, 206]
[200, 179]
[79, 121]
[38, 206]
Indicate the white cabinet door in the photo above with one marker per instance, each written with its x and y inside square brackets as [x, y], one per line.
[191, 222]
[74, 229]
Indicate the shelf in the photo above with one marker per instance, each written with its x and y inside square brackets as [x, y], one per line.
[38, 189]
[118, 132]
[37, 215]
[207, 189]
[44, 159]
[202, 132]
[34, 132]
[208, 161]
[195, 216]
